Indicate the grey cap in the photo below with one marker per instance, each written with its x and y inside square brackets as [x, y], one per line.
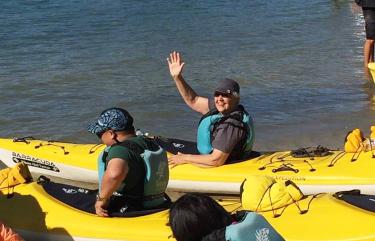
[116, 119]
[228, 86]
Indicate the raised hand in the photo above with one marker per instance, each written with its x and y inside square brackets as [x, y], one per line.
[175, 64]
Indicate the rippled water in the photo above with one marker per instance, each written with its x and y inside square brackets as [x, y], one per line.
[299, 64]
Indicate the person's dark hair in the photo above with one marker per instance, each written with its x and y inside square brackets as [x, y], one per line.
[194, 216]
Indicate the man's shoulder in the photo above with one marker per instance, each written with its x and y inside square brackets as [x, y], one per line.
[146, 143]
[235, 120]
[240, 114]
[116, 148]
[137, 144]
[236, 116]
[118, 151]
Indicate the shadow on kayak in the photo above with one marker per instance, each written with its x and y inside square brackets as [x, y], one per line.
[24, 213]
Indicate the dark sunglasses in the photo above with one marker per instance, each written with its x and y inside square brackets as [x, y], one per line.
[224, 95]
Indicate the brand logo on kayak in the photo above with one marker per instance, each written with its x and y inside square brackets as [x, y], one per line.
[74, 191]
[284, 178]
[178, 145]
[262, 234]
[69, 191]
[34, 162]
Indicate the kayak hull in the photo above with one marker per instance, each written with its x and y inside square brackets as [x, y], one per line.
[336, 172]
[38, 216]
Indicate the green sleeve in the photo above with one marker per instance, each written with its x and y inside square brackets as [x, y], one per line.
[118, 152]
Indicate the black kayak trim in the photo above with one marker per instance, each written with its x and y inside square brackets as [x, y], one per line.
[176, 145]
[355, 198]
[84, 199]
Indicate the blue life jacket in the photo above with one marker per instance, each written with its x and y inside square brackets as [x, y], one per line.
[252, 227]
[156, 169]
[212, 119]
[101, 165]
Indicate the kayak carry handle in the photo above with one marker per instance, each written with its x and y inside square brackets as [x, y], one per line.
[24, 139]
[41, 144]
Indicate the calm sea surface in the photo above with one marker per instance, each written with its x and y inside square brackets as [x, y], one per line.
[299, 64]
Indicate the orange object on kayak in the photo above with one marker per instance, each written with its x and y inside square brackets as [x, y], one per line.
[7, 234]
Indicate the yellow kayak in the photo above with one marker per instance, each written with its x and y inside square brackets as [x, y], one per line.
[38, 215]
[335, 171]
[346, 215]
[371, 67]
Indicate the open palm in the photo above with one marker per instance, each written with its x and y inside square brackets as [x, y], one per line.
[175, 64]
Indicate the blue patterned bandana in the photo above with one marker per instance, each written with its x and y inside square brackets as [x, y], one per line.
[116, 119]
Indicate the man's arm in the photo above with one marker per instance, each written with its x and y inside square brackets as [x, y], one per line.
[195, 102]
[215, 159]
[116, 172]
[225, 140]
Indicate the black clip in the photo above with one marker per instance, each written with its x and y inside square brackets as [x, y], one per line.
[285, 167]
[24, 139]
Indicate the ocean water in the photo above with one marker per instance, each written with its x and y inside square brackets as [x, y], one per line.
[299, 64]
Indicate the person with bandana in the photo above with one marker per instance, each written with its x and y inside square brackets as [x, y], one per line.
[128, 179]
